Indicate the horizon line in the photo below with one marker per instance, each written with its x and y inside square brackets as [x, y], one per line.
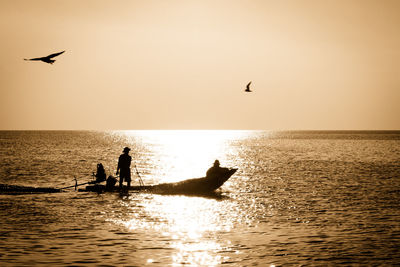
[255, 130]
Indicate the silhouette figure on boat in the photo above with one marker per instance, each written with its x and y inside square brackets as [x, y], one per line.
[100, 173]
[215, 170]
[124, 167]
[248, 88]
[47, 59]
[101, 177]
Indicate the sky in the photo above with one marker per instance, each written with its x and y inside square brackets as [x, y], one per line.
[184, 64]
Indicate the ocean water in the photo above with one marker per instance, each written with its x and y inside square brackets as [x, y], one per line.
[297, 199]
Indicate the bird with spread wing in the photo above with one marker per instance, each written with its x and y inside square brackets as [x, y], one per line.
[47, 59]
[248, 88]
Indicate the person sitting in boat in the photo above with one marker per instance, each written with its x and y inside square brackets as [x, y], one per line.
[110, 183]
[124, 167]
[100, 173]
[215, 169]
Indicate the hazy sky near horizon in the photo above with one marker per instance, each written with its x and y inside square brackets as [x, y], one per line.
[185, 64]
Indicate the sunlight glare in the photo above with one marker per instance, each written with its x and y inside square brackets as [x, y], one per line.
[185, 154]
[189, 224]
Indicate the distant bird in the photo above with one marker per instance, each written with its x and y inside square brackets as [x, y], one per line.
[47, 59]
[248, 88]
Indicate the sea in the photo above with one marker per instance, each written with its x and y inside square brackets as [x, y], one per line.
[298, 198]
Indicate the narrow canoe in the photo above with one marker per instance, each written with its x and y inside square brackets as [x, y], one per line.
[17, 189]
[202, 185]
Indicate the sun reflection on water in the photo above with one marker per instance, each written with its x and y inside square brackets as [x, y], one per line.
[190, 224]
[174, 155]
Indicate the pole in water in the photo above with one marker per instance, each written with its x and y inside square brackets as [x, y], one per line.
[140, 178]
[76, 183]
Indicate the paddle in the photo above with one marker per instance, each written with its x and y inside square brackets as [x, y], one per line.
[76, 184]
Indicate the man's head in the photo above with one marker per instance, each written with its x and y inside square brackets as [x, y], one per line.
[216, 163]
[126, 150]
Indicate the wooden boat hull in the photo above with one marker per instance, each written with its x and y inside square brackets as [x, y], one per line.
[17, 189]
[202, 185]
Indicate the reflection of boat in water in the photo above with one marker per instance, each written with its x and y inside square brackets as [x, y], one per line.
[204, 185]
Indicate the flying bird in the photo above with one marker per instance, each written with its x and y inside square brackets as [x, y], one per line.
[248, 88]
[47, 59]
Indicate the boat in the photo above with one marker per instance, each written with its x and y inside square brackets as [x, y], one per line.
[194, 186]
[17, 189]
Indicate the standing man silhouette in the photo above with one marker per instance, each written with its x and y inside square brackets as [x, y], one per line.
[124, 167]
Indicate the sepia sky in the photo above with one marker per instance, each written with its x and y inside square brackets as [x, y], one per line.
[172, 64]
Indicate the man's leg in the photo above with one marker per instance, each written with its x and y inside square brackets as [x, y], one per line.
[121, 179]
